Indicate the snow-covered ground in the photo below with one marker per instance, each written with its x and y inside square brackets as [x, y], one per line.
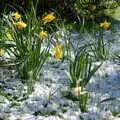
[48, 102]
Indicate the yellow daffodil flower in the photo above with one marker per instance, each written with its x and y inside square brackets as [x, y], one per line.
[48, 18]
[2, 52]
[16, 16]
[105, 25]
[42, 35]
[9, 36]
[57, 50]
[20, 25]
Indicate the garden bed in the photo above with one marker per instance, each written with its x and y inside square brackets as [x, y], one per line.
[49, 100]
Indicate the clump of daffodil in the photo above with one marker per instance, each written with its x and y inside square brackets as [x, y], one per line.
[16, 16]
[57, 51]
[20, 25]
[2, 52]
[105, 25]
[48, 18]
[9, 36]
[42, 35]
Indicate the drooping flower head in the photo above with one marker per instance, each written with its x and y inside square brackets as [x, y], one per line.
[105, 25]
[16, 16]
[9, 36]
[93, 7]
[48, 18]
[57, 51]
[42, 35]
[2, 52]
[20, 25]
[76, 91]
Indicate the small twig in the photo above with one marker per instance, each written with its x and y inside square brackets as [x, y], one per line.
[50, 96]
